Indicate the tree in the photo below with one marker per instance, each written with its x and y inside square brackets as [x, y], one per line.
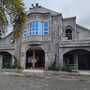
[15, 9]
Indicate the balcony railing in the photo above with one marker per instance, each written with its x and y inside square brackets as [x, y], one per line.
[36, 38]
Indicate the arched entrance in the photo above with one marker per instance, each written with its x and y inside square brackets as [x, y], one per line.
[7, 61]
[79, 58]
[35, 58]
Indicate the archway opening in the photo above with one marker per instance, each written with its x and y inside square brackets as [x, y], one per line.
[68, 32]
[7, 61]
[35, 58]
[79, 58]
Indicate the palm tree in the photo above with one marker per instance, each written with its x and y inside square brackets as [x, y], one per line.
[15, 9]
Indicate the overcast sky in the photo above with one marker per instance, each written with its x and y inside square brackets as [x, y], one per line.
[78, 8]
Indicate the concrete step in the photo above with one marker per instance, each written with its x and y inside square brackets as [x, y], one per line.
[33, 72]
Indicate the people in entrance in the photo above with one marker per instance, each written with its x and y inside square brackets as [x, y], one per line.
[30, 61]
[34, 62]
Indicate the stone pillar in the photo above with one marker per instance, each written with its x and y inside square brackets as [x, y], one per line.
[76, 61]
[56, 55]
[46, 61]
[60, 57]
[1, 58]
[13, 60]
[33, 59]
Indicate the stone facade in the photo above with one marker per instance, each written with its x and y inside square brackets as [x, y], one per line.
[57, 43]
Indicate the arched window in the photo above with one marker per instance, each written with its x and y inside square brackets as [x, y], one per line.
[68, 33]
[36, 28]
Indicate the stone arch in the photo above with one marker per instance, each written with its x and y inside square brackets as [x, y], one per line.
[40, 46]
[79, 57]
[72, 49]
[37, 54]
[7, 60]
[8, 51]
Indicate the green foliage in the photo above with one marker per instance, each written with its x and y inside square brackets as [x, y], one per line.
[68, 68]
[3, 19]
[9, 66]
[15, 9]
[19, 22]
[54, 67]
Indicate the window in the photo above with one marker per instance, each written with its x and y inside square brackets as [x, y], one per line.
[68, 33]
[36, 28]
[45, 28]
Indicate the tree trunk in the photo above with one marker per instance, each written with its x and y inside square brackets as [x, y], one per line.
[18, 52]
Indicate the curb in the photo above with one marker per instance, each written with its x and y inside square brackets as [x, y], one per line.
[45, 73]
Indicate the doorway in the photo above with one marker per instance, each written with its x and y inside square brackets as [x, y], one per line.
[35, 58]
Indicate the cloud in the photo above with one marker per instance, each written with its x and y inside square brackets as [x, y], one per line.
[79, 8]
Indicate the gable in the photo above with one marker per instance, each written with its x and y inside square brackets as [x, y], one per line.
[40, 9]
[83, 33]
[81, 28]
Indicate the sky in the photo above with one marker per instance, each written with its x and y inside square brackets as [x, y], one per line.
[68, 8]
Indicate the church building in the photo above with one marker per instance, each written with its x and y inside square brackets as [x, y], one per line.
[48, 39]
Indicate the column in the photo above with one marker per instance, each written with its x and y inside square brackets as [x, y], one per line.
[33, 60]
[13, 60]
[61, 60]
[76, 61]
[46, 61]
[1, 58]
[60, 57]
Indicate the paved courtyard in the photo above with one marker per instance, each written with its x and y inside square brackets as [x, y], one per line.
[48, 82]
